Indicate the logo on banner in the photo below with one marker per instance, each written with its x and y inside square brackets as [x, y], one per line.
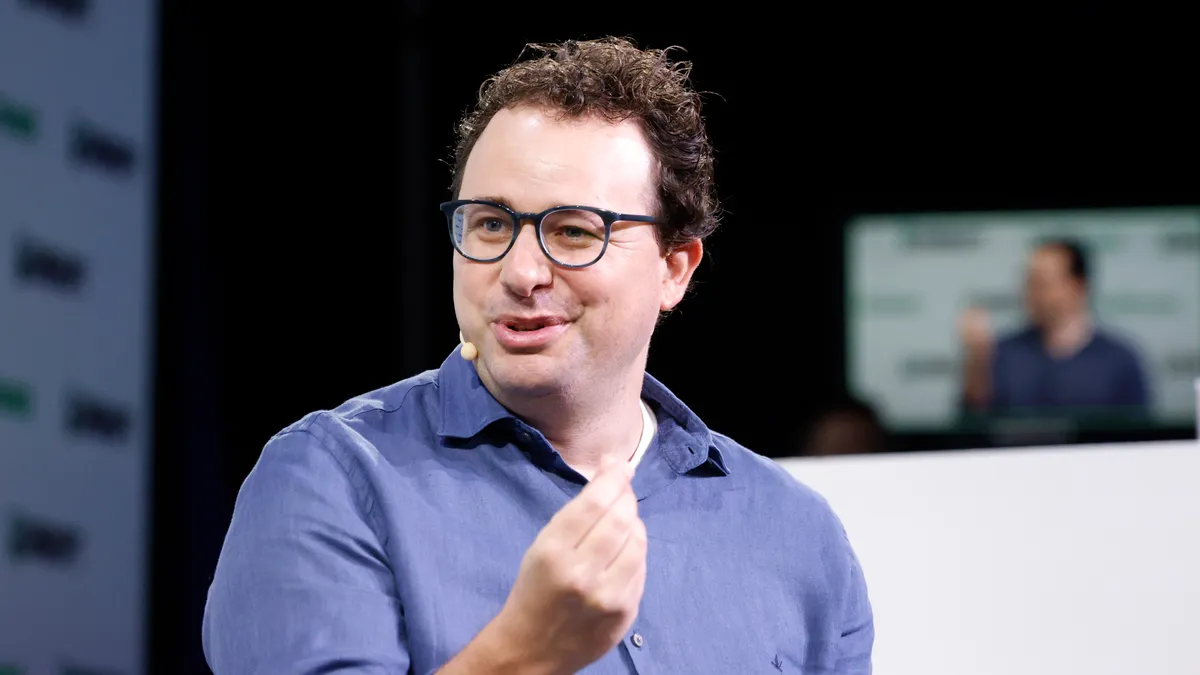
[74, 10]
[888, 304]
[928, 367]
[1183, 365]
[1180, 242]
[1095, 242]
[16, 399]
[996, 302]
[96, 149]
[18, 121]
[941, 238]
[41, 540]
[90, 416]
[41, 263]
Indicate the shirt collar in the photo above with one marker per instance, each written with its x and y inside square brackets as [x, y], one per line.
[467, 408]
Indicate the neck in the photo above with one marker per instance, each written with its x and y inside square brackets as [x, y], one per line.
[586, 423]
[1068, 336]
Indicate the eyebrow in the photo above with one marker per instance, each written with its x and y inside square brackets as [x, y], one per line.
[505, 202]
[493, 198]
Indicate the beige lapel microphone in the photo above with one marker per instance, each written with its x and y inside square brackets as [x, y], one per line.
[469, 351]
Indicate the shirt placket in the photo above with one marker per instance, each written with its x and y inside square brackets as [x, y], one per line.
[639, 650]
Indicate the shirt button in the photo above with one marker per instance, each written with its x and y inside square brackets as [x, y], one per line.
[524, 436]
[638, 640]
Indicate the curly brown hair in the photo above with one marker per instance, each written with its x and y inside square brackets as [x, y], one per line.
[613, 79]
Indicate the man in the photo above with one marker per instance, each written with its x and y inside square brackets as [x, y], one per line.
[847, 426]
[486, 517]
[1062, 361]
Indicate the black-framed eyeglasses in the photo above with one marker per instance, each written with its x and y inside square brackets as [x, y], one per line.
[570, 236]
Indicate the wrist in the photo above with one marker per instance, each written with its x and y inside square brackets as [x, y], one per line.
[980, 351]
[506, 650]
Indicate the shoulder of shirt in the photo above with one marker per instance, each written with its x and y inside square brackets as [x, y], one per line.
[411, 392]
[762, 473]
[1018, 338]
[1115, 342]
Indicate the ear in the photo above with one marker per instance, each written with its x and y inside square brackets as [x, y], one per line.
[678, 266]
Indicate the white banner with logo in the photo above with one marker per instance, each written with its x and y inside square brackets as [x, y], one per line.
[77, 178]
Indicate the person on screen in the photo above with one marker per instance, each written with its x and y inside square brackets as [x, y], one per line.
[1062, 359]
[539, 503]
[846, 426]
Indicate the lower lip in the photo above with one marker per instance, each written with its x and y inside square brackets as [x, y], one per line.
[527, 339]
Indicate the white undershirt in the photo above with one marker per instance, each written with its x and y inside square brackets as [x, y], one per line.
[649, 426]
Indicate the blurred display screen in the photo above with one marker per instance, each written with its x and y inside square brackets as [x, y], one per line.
[77, 177]
[912, 277]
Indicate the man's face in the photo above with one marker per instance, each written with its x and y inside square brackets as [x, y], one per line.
[599, 318]
[1051, 293]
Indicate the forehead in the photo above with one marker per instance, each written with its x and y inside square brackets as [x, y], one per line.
[1049, 259]
[536, 160]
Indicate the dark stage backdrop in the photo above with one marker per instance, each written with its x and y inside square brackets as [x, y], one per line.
[337, 266]
[309, 261]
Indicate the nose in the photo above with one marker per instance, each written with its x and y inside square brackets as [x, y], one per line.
[525, 268]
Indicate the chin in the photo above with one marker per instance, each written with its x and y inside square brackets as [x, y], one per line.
[526, 375]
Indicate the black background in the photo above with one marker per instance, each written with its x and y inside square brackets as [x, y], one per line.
[303, 259]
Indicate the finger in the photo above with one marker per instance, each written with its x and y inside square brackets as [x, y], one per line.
[635, 588]
[577, 518]
[626, 576]
[618, 589]
[632, 595]
[605, 540]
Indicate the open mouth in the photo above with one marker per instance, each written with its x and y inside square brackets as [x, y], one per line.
[526, 326]
[528, 332]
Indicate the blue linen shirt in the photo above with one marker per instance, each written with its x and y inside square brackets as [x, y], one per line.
[381, 536]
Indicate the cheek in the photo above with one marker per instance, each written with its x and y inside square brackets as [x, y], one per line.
[469, 290]
[470, 281]
[622, 299]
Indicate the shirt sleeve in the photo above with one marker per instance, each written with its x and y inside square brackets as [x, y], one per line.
[303, 585]
[858, 624]
[1001, 397]
[1134, 391]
